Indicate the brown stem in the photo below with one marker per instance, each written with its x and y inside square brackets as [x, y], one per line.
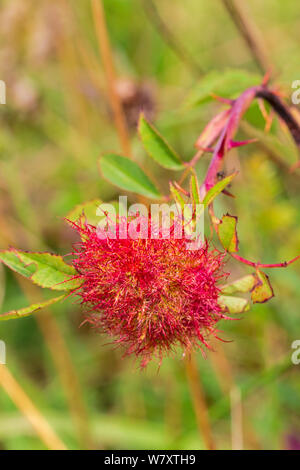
[25, 405]
[282, 110]
[107, 58]
[251, 34]
[199, 402]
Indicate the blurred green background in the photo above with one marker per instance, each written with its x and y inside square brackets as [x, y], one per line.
[56, 123]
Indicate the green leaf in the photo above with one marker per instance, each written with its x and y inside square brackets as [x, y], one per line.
[217, 189]
[194, 190]
[263, 291]
[177, 197]
[127, 175]
[228, 84]
[244, 284]
[227, 233]
[233, 304]
[26, 311]
[156, 147]
[86, 210]
[43, 269]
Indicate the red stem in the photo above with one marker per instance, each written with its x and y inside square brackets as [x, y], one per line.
[263, 265]
[238, 108]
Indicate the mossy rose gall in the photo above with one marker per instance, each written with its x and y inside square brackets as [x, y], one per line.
[150, 295]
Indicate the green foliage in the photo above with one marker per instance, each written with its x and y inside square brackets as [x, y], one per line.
[177, 197]
[217, 189]
[243, 285]
[194, 190]
[233, 305]
[48, 166]
[86, 211]
[26, 311]
[43, 269]
[263, 291]
[228, 84]
[156, 147]
[227, 233]
[127, 175]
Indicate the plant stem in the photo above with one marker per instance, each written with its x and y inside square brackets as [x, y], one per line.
[238, 108]
[200, 406]
[250, 33]
[109, 70]
[284, 264]
[25, 405]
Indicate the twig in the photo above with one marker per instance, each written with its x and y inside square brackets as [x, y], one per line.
[170, 39]
[200, 406]
[107, 58]
[284, 264]
[250, 33]
[25, 405]
[282, 110]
